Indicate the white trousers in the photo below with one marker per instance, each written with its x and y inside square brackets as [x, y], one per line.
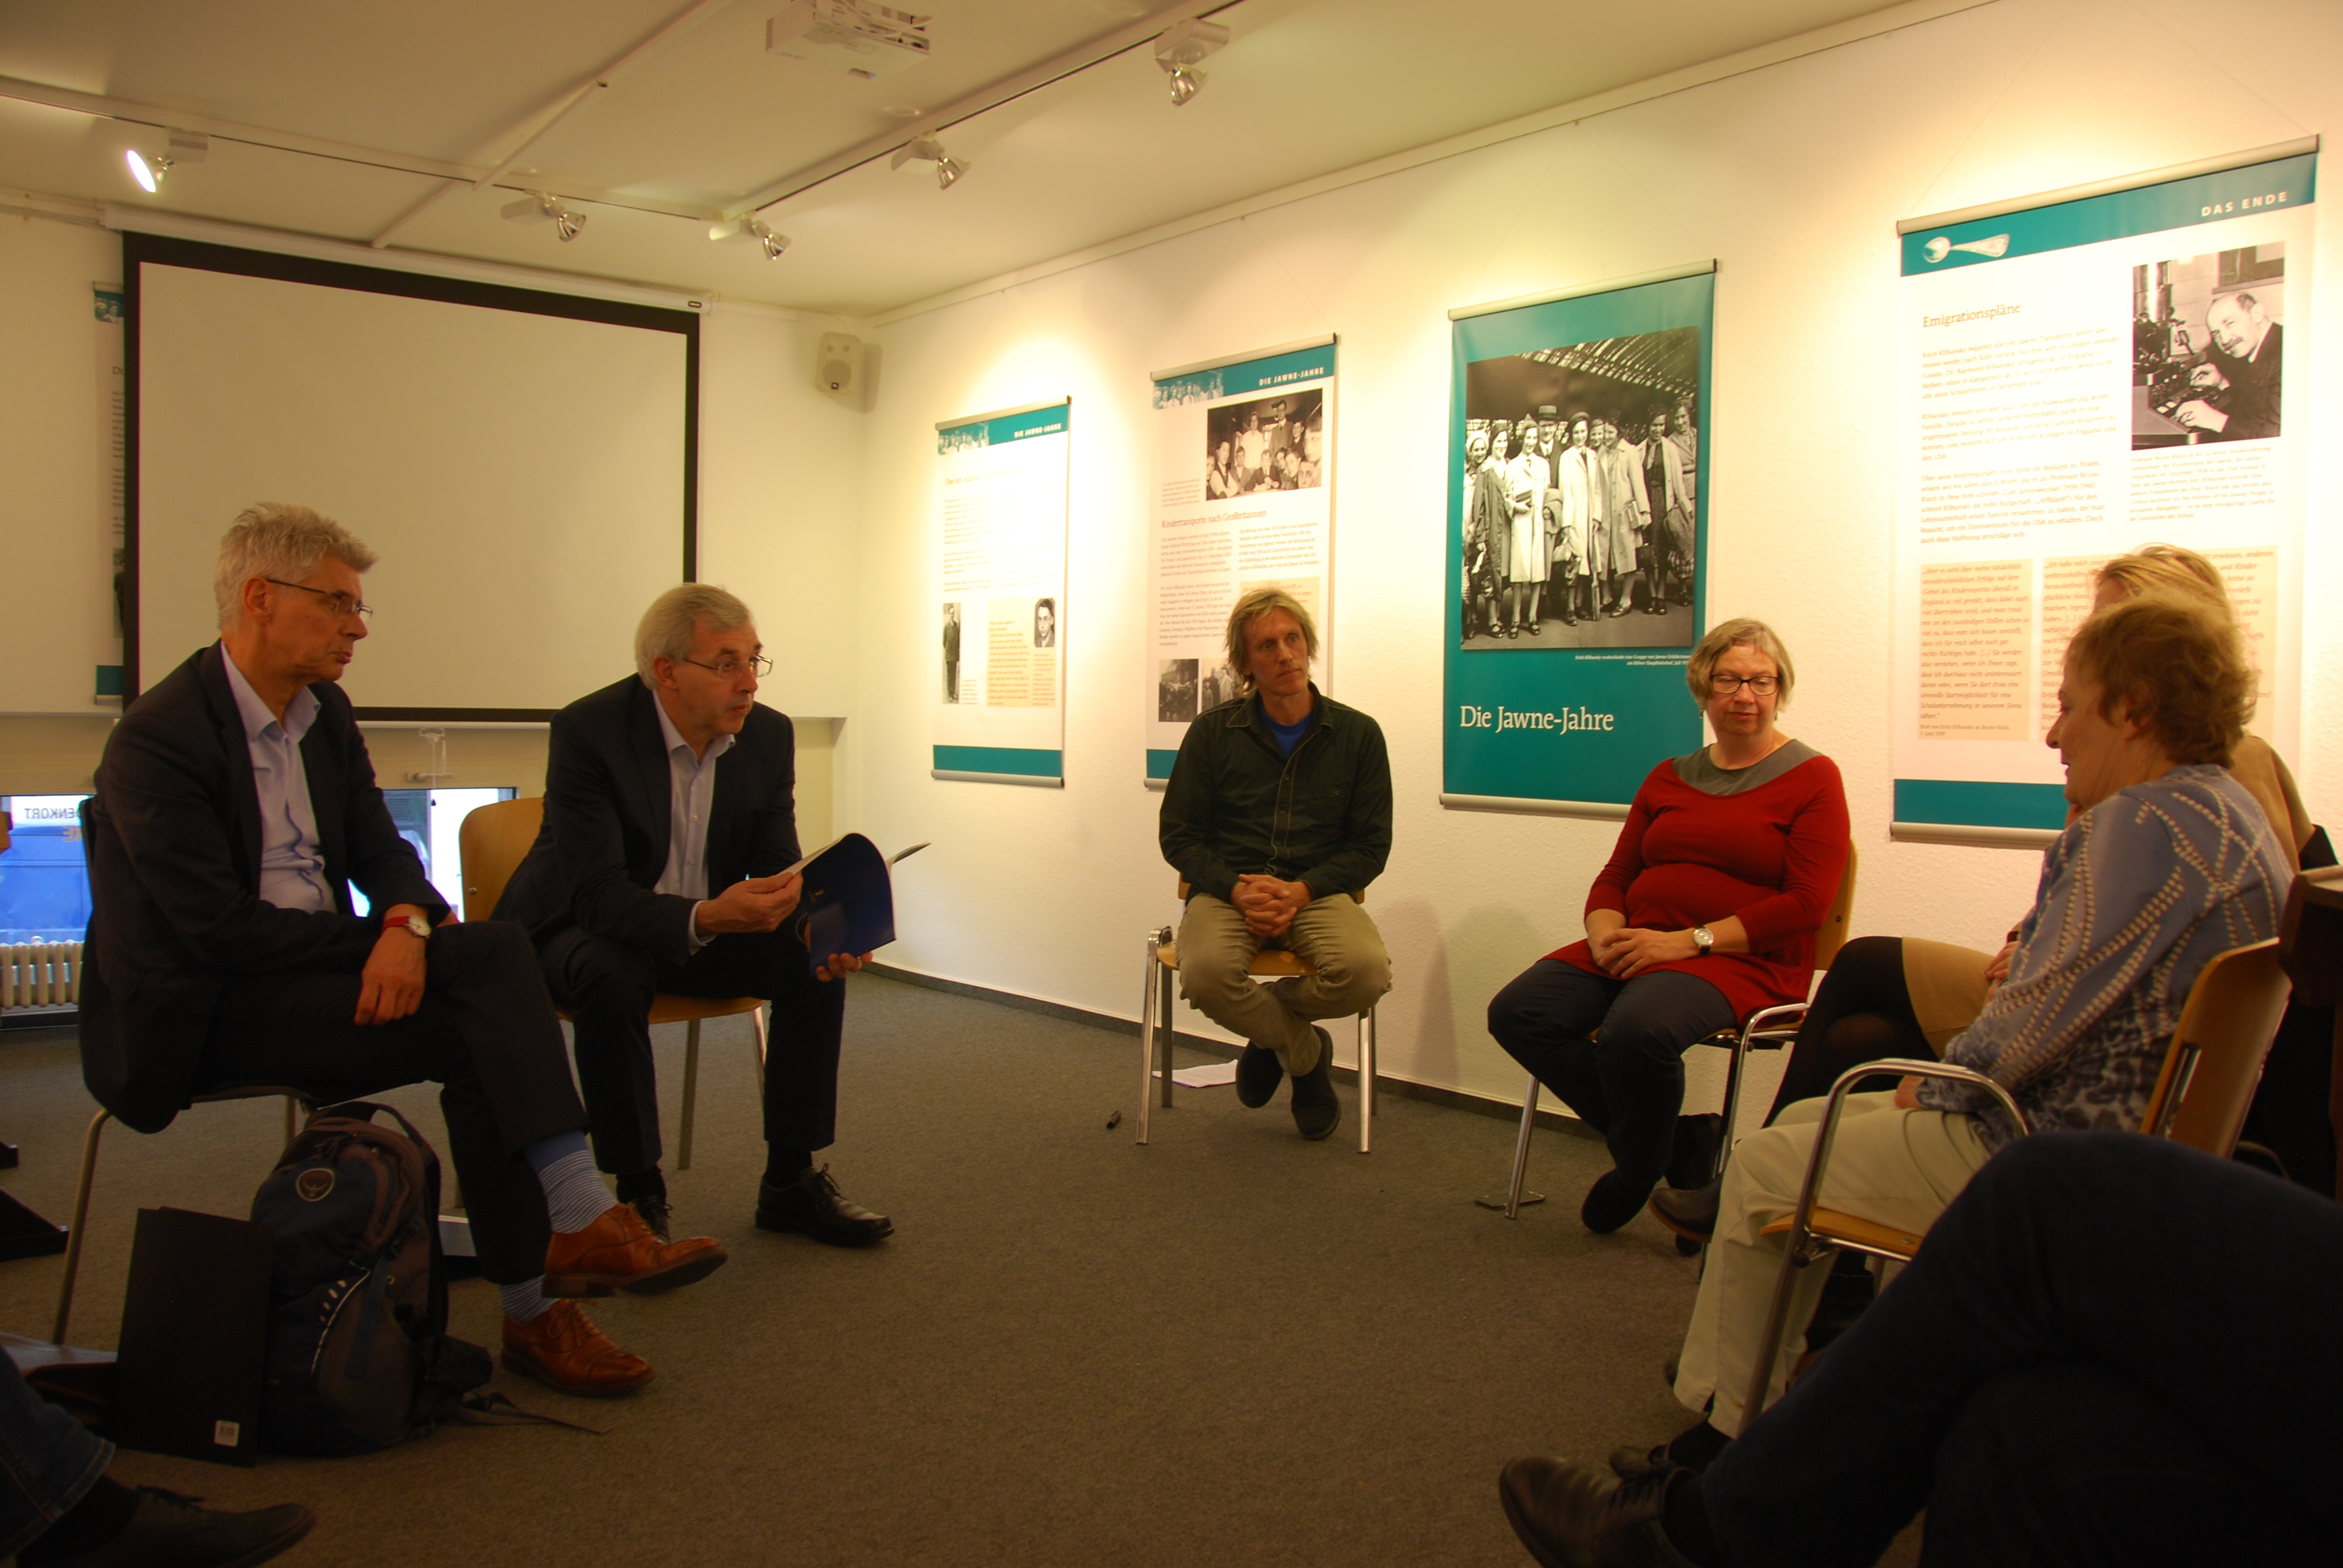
[1897, 1168]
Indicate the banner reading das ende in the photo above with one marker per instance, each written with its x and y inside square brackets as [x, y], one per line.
[2079, 377]
[1577, 543]
[1001, 595]
[1244, 498]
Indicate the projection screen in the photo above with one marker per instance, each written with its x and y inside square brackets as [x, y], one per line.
[523, 463]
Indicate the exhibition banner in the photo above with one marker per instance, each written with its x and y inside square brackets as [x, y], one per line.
[2078, 377]
[1243, 499]
[1577, 541]
[1001, 575]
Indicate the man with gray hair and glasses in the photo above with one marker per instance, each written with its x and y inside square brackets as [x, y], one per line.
[235, 809]
[670, 824]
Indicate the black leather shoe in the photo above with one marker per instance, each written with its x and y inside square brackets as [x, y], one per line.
[1610, 1203]
[1259, 1072]
[812, 1203]
[1582, 1516]
[1316, 1111]
[168, 1528]
[654, 1214]
[1692, 1215]
[1692, 1159]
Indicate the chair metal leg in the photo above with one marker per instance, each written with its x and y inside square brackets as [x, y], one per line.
[1515, 1197]
[758, 1028]
[1732, 1105]
[691, 1092]
[80, 1219]
[1367, 1081]
[1147, 991]
[1163, 1030]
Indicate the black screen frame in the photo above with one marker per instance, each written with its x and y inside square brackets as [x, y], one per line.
[139, 250]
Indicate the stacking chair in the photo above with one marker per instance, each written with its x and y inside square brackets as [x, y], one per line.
[492, 841]
[1764, 1030]
[2200, 1098]
[1270, 963]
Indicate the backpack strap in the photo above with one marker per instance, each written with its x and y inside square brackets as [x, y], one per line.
[497, 1410]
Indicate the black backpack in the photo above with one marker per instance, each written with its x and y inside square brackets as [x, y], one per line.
[358, 1353]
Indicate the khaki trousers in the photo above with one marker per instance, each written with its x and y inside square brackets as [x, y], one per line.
[1333, 934]
[1899, 1168]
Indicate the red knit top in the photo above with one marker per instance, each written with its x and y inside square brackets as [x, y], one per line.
[1772, 855]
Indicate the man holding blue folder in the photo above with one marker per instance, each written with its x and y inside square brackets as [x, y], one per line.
[670, 827]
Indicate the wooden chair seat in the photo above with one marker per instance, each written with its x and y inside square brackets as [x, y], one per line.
[1852, 1231]
[670, 1008]
[1270, 963]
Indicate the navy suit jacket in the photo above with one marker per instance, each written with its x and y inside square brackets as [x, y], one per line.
[608, 806]
[173, 840]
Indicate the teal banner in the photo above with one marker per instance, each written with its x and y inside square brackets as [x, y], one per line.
[1967, 803]
[2149, 209]
[1049, 421]
[1247, 376]
[1578, 541]
[1024, 762]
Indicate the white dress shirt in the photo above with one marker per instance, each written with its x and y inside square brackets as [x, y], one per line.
[691, 792]
[292, 860]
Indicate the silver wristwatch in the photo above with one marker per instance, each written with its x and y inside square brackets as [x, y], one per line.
[1704, 939]
[417, 926]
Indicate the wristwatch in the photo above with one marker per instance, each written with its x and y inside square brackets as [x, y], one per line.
[1704, 939]
[417, 926]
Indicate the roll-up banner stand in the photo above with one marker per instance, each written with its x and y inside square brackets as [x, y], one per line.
[1000, 595]
[2080, 374]
[1577, 542]
[1243, 499]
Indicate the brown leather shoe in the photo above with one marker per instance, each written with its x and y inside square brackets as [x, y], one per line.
[620, 1252]
[562, 1349]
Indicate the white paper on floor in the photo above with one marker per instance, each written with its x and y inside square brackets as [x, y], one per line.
[1203, 1077]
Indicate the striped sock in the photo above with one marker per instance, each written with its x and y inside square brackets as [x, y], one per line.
[526, 1301]
[575, 1196]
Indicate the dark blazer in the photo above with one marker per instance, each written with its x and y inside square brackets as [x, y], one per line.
[608, 799]
[2252, 402]
[173, 839]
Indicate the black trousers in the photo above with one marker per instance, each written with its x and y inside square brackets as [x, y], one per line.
[485, 1033]
[607, 986]
[1627, 1080]
[1862, 1011]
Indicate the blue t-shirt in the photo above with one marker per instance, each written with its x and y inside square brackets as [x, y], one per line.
[1289, 736]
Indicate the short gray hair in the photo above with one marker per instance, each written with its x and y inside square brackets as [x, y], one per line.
[667, 627]
[1250, 608]
[1722, 639]
[277, 539]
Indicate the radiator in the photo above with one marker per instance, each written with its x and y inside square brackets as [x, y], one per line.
[40, 974]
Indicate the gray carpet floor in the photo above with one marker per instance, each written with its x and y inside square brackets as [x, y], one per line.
[1228, 1347]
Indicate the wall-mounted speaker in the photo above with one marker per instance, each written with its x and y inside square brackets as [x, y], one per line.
[838, 366]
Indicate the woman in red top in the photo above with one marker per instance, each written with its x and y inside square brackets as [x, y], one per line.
[1726, 869]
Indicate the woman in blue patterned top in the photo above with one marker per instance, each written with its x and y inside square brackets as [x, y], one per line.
[2168, 862]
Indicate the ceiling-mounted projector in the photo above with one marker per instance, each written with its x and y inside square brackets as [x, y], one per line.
[857, 37]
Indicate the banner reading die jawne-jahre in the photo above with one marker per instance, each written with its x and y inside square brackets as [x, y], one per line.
[1577, 540]
[1001, 577]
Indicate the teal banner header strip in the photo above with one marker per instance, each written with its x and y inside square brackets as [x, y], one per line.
[1021, 761]
[1579, 711]
[1053, 420]
[1248, 376]
[1962, 803]
[2176, 204]
[1159, 763]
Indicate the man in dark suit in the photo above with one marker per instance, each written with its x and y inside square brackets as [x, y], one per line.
[2242, 376]
[235, 806]
[664, 865]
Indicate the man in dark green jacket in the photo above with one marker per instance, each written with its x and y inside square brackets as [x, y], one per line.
[1277, 815]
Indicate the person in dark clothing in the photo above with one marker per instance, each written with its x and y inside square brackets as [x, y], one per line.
[1278, 809]
[2242, 376]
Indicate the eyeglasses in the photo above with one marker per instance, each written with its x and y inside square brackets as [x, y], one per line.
[1730, 684]
[343, 604]
[731, 668]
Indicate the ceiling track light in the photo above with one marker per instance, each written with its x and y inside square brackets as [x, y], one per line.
[183, 148]
[927, 149]
[1181, 48]
[540, 207]
[743, 229]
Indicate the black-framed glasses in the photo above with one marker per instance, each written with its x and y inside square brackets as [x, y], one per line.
[731, 668]
[344, 606]
[1725, 684]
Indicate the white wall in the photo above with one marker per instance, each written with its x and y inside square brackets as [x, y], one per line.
[1792, 177]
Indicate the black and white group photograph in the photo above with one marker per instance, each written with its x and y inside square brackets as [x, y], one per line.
[1273, 443]
[1578, 474]
[2206, 338]
[1175, 690]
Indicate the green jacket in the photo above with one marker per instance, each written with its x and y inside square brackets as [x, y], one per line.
[1235, 805]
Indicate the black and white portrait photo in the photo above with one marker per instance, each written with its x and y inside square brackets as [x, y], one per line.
[1273, 443]
[1217, 685]
[1579, 525]
[1045, 623]
[2208, 341]
[1175, 690]
[951, 652]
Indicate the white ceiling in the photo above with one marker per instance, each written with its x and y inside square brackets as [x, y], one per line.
[707, 118]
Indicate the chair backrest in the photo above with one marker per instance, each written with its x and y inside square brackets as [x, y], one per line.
[1832, 934]
[1358, 897]
[492, 841]
[2215, 1061]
